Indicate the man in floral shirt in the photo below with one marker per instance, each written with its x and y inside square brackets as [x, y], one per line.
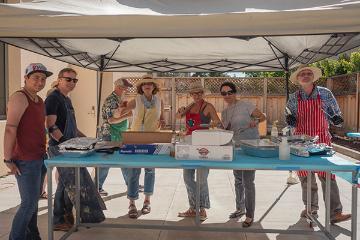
[114, 122]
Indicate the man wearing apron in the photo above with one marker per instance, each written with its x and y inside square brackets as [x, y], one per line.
[61, 124]
[310, 110]
[114, 123]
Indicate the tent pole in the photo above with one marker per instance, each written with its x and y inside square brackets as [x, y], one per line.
[100, 76]
[99, 81]
[287, 76]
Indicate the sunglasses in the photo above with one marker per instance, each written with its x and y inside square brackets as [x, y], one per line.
[227, 93]
[69, 79]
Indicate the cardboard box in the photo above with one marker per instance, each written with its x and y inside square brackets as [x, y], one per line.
[133, 137]
[186, 151]
[146, 143]
[155, 149]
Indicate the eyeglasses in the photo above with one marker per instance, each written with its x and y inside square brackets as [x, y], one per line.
[227, 93]
[69, 79]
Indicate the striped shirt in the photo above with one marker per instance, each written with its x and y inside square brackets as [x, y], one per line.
[329, 103]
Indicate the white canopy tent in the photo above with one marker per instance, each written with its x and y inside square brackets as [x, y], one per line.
[183, 36]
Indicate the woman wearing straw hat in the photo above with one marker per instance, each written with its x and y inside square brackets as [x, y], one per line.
[147, 116]
[199, 115]
[310, 110]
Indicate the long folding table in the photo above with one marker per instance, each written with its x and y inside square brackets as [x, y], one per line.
[327, 164]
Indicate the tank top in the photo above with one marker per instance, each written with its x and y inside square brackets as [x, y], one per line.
[30, 137]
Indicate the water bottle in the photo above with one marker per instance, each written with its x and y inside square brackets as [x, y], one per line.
[284, 149]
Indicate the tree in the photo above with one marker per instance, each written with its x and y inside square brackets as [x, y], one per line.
[209, 74]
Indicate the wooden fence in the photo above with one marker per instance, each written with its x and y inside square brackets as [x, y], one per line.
[267, 94]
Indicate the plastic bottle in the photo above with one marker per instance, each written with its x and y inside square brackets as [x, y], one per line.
[284, 149]
[274, 132]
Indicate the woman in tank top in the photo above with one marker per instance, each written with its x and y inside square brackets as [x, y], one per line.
[199, 115]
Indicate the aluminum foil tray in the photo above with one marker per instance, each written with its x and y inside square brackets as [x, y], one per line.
[80, 143]
[77, 153]
[262, 148]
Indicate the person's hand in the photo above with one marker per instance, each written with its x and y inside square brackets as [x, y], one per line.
[123, 104]
[291, 120]
[162, 123]
[181, 110]
[252, 124]
[13, 169]
[337, 120]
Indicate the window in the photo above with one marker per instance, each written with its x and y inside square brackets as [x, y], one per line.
[2, 82]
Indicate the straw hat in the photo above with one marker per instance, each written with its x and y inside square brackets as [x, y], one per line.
[146, 79]
[197, 87]
[316, 71]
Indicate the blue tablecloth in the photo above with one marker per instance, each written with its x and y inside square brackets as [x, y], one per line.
[242, 161]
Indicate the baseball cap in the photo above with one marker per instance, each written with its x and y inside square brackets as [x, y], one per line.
[122, 82]
[37, 67]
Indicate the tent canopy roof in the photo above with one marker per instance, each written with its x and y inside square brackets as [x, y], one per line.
[183, 36]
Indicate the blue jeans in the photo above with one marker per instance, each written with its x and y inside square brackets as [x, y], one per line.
[103, 173]
[24, 226]
[133, 175]
[190, 183]
[245, 191]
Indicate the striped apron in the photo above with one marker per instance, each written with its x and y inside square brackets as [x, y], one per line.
[311, 121]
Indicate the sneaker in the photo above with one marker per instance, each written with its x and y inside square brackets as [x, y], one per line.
[102, 192]
[188, 213]
[203, 215]
[237, 214]
[340, 217]
[65, 227]
[69, 218]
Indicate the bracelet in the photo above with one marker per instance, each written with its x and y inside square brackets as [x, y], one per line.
[8, 161]
[52, 128]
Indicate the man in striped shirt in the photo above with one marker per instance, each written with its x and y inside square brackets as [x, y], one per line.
[310, 110]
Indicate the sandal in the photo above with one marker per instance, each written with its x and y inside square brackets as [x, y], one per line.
[237, 214]
[247, 223]
[188, 213]
[133, 213]
[44, 195]
[146, 208]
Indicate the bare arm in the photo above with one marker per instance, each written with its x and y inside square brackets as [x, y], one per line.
[258, 114]
[213, 115]
[122, 117]
[50, 121]
[183, 110]
[125, 112]
[16, 107]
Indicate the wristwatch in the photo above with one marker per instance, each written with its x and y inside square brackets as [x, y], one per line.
[8, 161]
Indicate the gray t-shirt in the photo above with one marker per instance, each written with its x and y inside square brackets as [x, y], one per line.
[239, 116]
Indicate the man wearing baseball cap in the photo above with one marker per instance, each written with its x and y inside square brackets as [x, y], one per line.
[24, 149]
[310, 110]
[114, 123]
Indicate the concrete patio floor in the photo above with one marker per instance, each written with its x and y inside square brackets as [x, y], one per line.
[277, 206]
